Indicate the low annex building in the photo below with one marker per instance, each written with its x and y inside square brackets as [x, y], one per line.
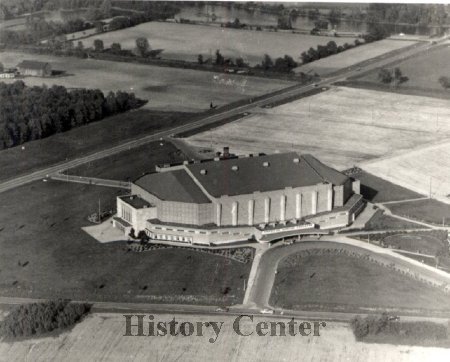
[235, 198]
[34, 68]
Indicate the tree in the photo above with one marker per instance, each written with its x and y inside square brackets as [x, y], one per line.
[445, 82]
[313, 54]
[116, 48]
[80, 45]
[240, 62]
[99, 26]
[1, 67]
[142, 47]
[106, 8]
[332, 47]
[220, 60]
[267, 62]
[119, 22]
[200, 59]
[98, 45]
[385, 76]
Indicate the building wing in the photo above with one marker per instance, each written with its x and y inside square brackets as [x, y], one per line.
[175, 186]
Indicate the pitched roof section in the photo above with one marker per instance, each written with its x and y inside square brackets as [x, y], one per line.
[241, 176]
[173, 186]
[32, 64]
[327, 173]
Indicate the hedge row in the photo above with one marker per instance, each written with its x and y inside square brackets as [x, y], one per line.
[38, 318]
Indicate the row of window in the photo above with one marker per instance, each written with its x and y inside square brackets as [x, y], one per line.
[126, 213]
[185, 239]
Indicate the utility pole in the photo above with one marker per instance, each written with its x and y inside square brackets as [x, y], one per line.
[430, 187]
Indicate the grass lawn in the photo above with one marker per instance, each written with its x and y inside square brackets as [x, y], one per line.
[166, 89]
[423, 72]
[176, 41]
[340, 281]
[86, 139]
[421, 243]
[380, 221]
[45, 254]
[131, 164]
[354, 56]
[376, 189]
[428, 210]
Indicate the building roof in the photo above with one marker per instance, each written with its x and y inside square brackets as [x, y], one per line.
[246, 175]
[135, 201]
[173, 186]
[32, 64]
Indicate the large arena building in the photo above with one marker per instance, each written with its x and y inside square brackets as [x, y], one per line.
[236, 198]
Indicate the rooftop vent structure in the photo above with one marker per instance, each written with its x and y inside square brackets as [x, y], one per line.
[235, 168]
[266, 164]
[203, 172]
[296, 160]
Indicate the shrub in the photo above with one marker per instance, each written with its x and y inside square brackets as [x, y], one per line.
[38, 318]
[445, 82]
[385, 326]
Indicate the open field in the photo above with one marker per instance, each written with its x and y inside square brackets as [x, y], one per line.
[350, 282]
[186, 42]
[100, 337]
[420, 169]
[131, 164]
[416, 242]
[428, 210]
[380, 221]
[327, 126]
[86, 139]
[423, 72]
[45, 254]
[353, 56]
[165, 88]
[376, 189]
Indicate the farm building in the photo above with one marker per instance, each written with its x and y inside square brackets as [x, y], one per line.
[7, 74]
[236, 198]
[35, 68]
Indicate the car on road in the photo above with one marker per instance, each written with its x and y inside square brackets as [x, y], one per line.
[266, 311]
[315, 85]
[222, 309]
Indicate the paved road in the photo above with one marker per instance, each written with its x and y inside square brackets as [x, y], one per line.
[145, 308]
[91, 181]
[282, 95]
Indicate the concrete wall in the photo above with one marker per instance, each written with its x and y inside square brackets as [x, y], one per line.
[138, 217]
[331, 220]
[280, 205]
[356, 186]
[177, 212]
[198, 236]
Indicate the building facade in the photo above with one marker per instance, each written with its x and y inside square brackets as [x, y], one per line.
[34, 68]
[239, 198]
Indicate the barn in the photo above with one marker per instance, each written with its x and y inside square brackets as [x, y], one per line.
[34, 68]
[234, 198]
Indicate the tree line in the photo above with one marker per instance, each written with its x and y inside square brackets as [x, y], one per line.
[32, 113]
[323, 51]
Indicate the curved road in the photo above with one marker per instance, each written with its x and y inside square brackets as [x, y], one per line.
[259, 296]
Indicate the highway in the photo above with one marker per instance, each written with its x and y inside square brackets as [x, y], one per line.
[280, 96]
[189, 309]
